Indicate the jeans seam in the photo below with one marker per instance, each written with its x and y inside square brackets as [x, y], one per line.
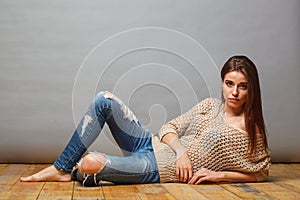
[86, 135]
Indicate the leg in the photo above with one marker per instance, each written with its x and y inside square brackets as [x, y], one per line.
[133, 169]
[92, 163]
[105, 108]
[87, 131]
[130, 135]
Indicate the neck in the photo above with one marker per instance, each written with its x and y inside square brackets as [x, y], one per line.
[231, 112]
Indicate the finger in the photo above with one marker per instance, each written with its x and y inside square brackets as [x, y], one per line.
[185, 176]
[177, 172]
[190, 174]
[193, 180]
[200, 180]
[181, 175]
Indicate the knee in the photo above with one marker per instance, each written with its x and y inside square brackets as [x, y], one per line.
[101, 99]
[92, 163]
[108, 95]
[105, 94]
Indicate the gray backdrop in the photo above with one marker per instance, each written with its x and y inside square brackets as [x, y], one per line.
[160, 57]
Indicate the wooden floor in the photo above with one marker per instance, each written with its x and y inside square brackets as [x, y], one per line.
[284, 183]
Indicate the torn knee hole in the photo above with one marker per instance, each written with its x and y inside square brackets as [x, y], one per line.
[92, 163]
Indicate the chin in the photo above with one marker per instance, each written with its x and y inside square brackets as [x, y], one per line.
[233, 104]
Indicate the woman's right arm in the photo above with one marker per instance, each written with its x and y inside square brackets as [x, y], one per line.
[174, 129]
[184, 170]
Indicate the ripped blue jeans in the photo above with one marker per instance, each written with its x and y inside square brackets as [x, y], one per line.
[131, 136]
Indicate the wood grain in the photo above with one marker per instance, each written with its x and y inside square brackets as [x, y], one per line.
[284, 183]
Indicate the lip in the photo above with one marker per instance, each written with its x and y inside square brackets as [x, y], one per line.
[233, 99]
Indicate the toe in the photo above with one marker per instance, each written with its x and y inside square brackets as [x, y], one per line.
[26, 179]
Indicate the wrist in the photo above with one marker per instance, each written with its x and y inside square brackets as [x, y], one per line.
[221, 176]
[180, 151]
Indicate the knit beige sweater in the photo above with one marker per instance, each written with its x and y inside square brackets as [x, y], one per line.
[211, 143]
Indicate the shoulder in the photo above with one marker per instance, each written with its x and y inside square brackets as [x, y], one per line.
[209, 104]
[211, 101]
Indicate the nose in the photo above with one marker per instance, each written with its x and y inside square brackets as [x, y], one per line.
[235, 91]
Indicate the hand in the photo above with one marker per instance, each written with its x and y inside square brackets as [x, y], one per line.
[184, 170]
[206, 175]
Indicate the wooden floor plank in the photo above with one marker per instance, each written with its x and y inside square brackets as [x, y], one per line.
[57, 190]
[287, 176]
[148, 196]
[10, 175]
[25, 190]
[2, 166]
[276, 191]
[285, 171]
[295, 166]
[112, 192]
[87, 193]
[183, 191]
[153, 191]
[214, 191]
[244, 191]
[284, 183]
[293, 185]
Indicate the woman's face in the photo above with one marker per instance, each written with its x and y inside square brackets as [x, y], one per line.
[235, 89]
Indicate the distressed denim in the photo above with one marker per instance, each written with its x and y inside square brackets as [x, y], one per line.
[139, 166]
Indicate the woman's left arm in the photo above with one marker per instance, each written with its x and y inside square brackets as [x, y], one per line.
[228, 176]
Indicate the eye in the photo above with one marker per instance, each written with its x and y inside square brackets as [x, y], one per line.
[229, 83]
[243, 86]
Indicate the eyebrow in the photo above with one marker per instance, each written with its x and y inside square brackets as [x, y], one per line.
[232, 81]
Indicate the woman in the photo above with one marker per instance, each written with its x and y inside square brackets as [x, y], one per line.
[214, 141]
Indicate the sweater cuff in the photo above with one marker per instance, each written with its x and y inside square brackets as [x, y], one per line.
[164, 131]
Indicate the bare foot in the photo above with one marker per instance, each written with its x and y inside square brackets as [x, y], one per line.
[48, 174]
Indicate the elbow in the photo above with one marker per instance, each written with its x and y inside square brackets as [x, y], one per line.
[262, 176]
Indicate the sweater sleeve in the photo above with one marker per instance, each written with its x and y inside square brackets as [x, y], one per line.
[180, 124]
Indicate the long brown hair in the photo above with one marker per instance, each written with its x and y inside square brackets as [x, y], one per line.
[253, 106]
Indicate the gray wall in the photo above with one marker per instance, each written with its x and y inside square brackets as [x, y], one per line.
[160, 57]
